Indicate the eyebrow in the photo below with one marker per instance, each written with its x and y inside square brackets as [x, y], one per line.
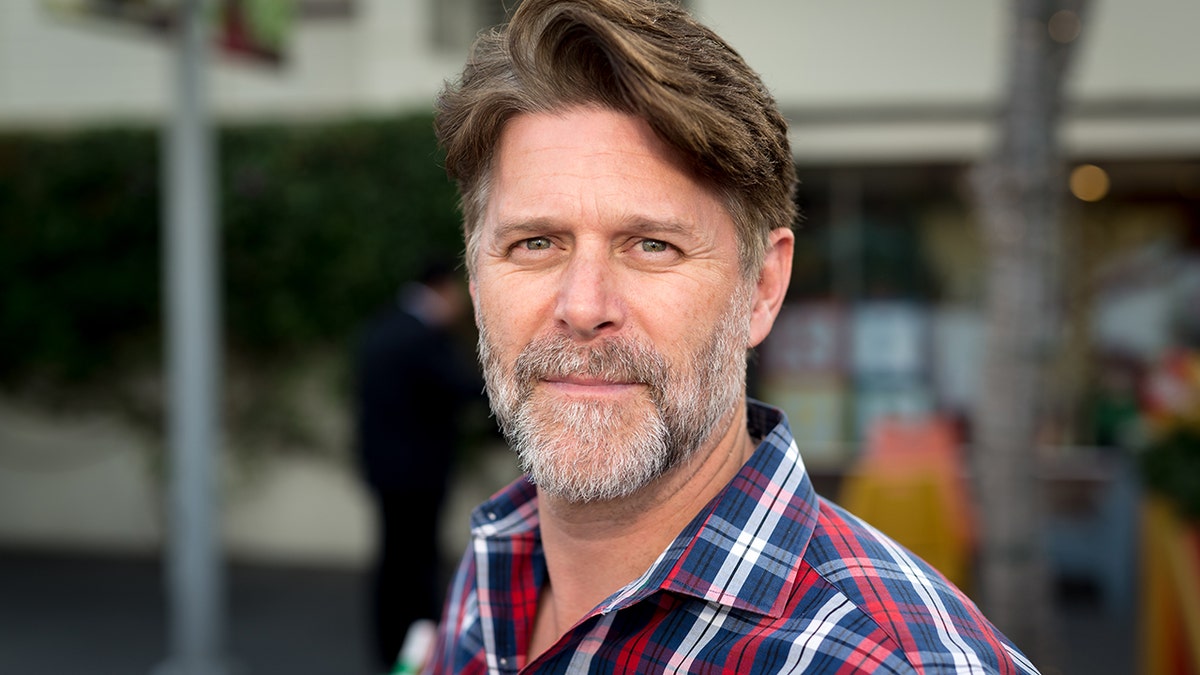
[639, 224]
[541, 226]
[522, 229]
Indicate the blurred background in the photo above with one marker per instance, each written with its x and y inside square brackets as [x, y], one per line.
[329, 195]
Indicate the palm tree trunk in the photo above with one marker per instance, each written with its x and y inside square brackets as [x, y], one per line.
[1018, 192]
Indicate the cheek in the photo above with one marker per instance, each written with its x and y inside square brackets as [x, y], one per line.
[519, 299]
[685, 310]
[508, 324]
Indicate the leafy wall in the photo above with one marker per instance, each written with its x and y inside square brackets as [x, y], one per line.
[319, 223]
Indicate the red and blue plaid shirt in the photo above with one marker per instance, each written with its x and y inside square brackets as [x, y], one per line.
[768, 578]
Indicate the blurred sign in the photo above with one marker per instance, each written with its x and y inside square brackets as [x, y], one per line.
[816, 410]
[253, 30]
[889, 339]
[807, 339]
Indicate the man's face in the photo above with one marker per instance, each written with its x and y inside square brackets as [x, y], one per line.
[613, 316]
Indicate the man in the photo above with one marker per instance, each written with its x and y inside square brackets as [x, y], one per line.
[407, 374]
[627, 190]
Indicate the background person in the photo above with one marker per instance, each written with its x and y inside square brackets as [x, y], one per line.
[412, 386]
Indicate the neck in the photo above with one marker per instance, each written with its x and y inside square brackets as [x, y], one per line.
[594, 549]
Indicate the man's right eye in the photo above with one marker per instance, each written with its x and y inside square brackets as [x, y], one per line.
[537, 243]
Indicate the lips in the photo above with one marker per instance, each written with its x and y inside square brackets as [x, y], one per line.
[589, 381]
[589, 386]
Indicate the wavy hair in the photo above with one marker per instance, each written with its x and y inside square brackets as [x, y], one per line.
[648, 58]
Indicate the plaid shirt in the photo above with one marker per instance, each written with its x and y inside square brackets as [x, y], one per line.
[768, 578]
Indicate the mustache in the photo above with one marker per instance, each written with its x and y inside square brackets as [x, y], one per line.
[614, 359]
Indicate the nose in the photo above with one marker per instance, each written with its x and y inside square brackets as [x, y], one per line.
[589, 303]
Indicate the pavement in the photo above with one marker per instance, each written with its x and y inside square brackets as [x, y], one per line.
[66, 614]
[104, 615]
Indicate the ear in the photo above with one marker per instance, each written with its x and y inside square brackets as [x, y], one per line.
[474, 293]
[772, 283]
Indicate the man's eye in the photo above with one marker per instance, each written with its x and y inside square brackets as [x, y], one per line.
[654, 246]
[537, 243]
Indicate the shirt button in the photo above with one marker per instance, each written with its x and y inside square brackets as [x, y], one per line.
[503, 662]
[491, 515]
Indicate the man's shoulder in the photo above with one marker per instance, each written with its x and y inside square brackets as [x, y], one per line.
[844, 548]
[931, 620]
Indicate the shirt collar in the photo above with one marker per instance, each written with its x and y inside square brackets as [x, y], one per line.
[742, 550]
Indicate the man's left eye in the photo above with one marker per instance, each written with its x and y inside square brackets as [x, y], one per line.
[654, 246]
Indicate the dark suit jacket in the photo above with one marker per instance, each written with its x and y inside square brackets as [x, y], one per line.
[412, 383]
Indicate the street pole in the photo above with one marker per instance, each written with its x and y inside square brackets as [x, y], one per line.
[194, 574]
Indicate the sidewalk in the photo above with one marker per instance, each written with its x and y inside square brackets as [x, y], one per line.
[62, 615]
[71, 615]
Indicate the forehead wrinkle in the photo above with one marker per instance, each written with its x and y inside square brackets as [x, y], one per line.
[556, 181]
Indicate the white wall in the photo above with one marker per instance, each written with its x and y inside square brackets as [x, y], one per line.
[74, 481]
[815, 54]
[926, 72]
[923, 72]
[925, 52]
[88, 482]
[55, 71]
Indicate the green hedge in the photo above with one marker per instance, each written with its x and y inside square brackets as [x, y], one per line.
[319, 223]
[1171, 469]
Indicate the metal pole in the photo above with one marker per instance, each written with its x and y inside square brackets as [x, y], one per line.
[195, 584]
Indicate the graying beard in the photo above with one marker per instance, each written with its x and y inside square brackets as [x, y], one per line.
[676, 430]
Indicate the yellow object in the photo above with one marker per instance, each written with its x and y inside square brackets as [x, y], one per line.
[1170, 639]
[910, 485]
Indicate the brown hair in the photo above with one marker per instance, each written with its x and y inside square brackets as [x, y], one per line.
[648, 58]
